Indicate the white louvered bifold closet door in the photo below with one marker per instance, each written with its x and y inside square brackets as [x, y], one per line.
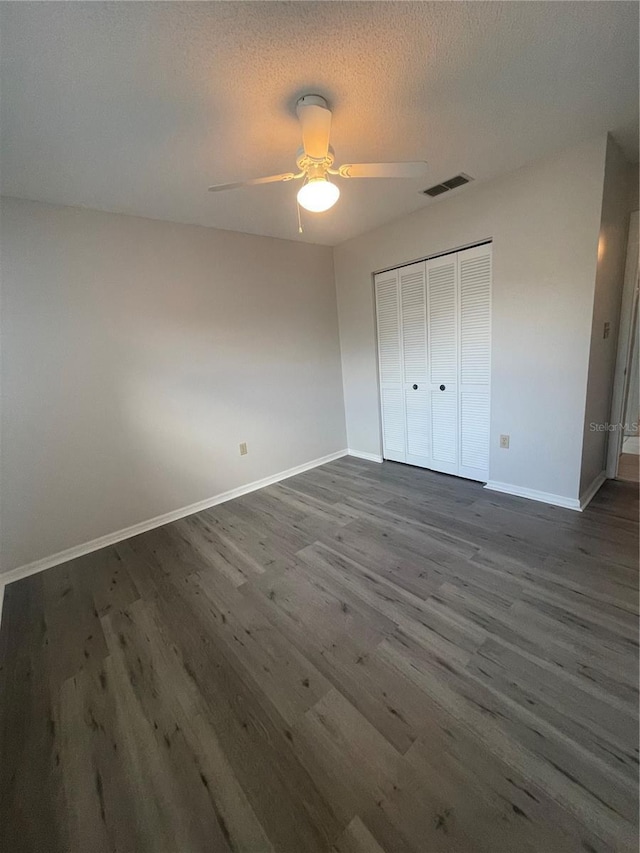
[474, 276]
[434, 349]
[390, 366]
[413, 324]
[442, 357]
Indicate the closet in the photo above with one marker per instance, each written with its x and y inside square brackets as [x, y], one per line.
[434, 351]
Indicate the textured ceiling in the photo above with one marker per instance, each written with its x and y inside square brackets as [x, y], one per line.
[137, 107]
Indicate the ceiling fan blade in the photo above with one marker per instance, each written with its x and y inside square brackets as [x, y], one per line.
[286, 176]
[383, 170]
[316, 126]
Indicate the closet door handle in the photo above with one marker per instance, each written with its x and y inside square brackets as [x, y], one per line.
[442, 387]
[415, 387]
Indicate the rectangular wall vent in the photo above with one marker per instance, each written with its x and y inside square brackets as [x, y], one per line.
[445, 186]
[436, 190]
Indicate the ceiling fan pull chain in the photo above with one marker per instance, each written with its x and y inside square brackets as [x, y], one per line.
[299, 220]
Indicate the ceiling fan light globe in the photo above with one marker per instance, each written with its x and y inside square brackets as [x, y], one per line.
[318, 195]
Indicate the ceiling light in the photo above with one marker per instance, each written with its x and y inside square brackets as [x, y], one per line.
[318, 195]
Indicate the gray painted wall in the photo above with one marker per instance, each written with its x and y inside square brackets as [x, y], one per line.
[137, 354]
[544, 220]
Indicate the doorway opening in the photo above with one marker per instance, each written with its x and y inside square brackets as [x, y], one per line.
[623, 456]
[629, 461]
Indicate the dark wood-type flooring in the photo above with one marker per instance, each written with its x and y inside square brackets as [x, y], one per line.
[362, 658]
[629, 467]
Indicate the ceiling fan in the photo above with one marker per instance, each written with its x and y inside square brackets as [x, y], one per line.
[315, 161]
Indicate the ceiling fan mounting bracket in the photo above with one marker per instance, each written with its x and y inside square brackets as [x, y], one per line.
[311, 101]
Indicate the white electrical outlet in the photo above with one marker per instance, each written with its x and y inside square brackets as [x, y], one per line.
[243, 448]
[504, 442]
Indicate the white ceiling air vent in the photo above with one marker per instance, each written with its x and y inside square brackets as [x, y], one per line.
[445, 186]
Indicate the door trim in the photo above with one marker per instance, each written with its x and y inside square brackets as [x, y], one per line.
[431, 257]
[618, 402]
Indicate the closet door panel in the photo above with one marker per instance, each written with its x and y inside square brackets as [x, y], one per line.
[388, 316]
[474, 435]
[444, 427]
[413, 301]
[442, 337]
[417, 413]
[475, 316]
[393, 424]
[390, 366]
[413, 304]
[474, 271]
[442, 331]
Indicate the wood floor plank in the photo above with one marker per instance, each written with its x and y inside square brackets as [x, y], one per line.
[97, 768]
[398, 605]
[476, 799]
[347, 756]
[178, 715]
[357, 839]
[364, 658]
[599, 797]
[254, 736]
[30, 779]
[583, 717]
[552, 647]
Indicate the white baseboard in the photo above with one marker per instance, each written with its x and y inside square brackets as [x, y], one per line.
[360, 454]
[158, 521]
[588, 495]
[533, 495]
